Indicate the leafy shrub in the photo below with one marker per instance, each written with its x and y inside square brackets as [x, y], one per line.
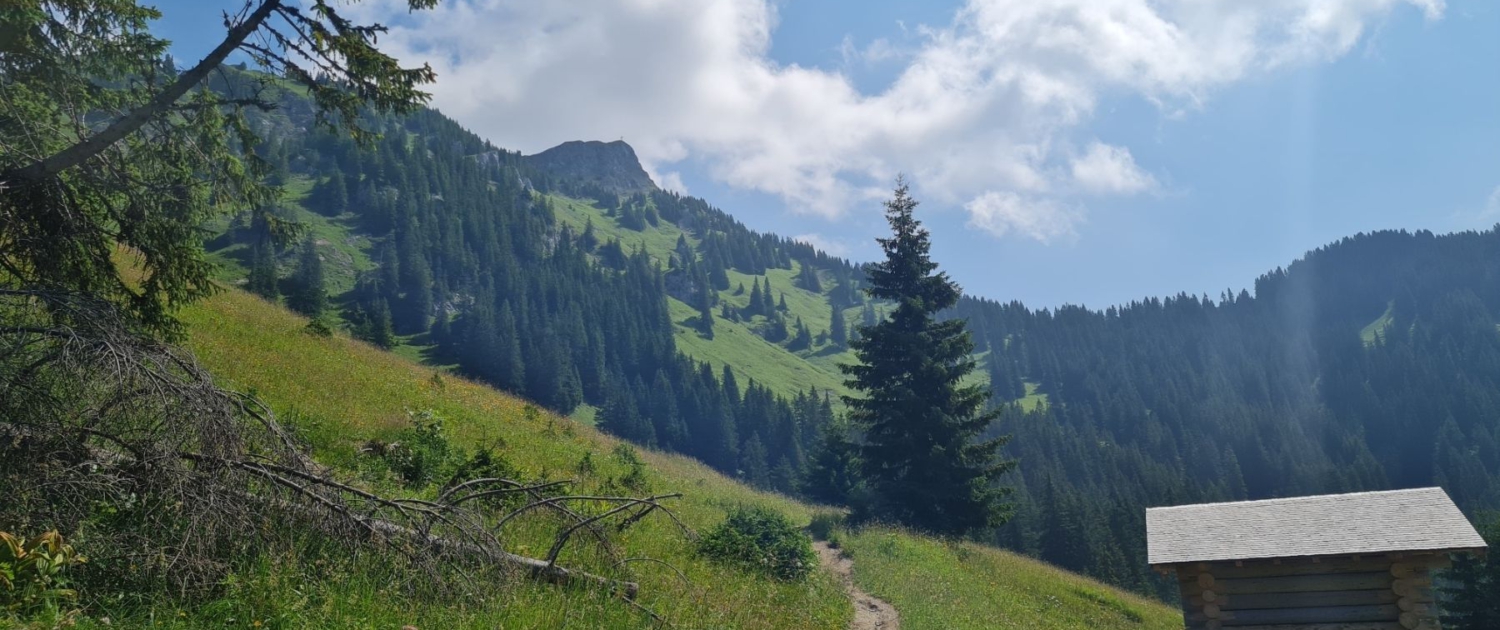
[635, 473]
[419, 452]
[422, 454]
[824, 526]
[33, 573]
[760, 540]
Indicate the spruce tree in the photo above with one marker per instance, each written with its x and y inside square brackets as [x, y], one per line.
[921, 457]
[803, 339]
[837, 330]
[705, 298]
[833, 471]
[1472, 589]
[756, 305]
[588, 241]
[334, 194]
[308, 296]
[262, 279]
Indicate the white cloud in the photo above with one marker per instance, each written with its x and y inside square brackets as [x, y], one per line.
[1004, 213]
[1491, 210]
[830, 246]
[1106, 169]
[671, 180]
[984, 109]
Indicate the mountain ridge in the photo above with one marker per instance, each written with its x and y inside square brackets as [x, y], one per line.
[610, 167]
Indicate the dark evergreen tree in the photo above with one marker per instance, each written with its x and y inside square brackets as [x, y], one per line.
[753, 466]
[263, 280]
[1472, 595]
[757, 304]
[837, 331]
[332, 196]
[704, 296]
[922, 457]
[588, 241]
[775, 330]
[807, 278]
[377, 326]
[833, 471]
[803, 339]
[620, 417]
[308, 295]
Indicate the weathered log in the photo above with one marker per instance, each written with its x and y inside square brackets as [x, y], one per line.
[1306, 583]
[1305, 566]
[1411, 586]
[1376, 625]
[535, 568]
[1253, 601]
[1299, 616]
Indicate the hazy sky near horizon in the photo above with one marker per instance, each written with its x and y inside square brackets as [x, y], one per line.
[1066, 151]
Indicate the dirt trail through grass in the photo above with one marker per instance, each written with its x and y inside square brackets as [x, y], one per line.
[870, 612]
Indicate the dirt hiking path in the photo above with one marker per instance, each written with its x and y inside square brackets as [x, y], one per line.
[870, 612]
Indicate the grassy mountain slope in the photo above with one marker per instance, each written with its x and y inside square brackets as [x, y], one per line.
[338, 393]
[738, 344]
[734, 343]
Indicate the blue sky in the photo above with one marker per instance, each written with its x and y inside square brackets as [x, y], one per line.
[1066, 151]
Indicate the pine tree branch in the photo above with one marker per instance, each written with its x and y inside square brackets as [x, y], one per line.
[138, 117]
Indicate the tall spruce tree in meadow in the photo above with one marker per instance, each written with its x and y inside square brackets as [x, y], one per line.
[837, 329]
[756, 305]
[308, 295]
[262, 279]
[922, 458]
[705, 299]
[333, 195]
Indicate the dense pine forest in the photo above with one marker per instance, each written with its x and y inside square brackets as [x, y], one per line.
[1370, 363]
[470, 258]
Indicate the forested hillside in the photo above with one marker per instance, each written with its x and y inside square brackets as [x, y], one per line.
[1370, 363]
[454, 250]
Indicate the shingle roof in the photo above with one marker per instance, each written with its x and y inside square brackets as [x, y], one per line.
[1422, 519]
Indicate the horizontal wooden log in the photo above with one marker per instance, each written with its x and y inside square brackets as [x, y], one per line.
[1415, 621]
[1332, 614]
[1298, 566]
[1378, 625]
[1412, 586]
[1306, 583]
[1255, 601]
[1309, 566]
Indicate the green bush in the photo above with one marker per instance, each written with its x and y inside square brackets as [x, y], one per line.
[823, 525]
[634, 478]
[760, 540]
[422, 454]
[420, 451]
[33, 573]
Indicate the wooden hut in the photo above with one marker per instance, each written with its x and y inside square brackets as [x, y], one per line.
[1359, 561]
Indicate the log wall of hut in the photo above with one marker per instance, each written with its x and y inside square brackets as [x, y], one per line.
[1387, 592]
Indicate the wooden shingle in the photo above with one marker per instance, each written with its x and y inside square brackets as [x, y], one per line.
[1422, 519]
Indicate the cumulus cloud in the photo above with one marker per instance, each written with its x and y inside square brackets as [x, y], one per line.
[1491, 209]
[671, 180]
[1004, 213]
[1107, 169]
[983, 113]
[830, 246]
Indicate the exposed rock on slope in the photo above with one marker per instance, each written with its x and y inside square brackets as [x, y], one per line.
[610, 166]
